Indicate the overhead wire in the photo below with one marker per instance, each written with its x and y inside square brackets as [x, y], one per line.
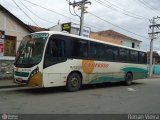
[25, 13]
[40, 6]
[35, 14]
[143, 6]
[75, 14]
[115, 9]
[117, 26]
[148, 6]
[92, 15]
[145, 3]
[9, 4]
[50, 10]
[125, 9]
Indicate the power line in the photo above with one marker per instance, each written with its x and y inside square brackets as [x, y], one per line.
[25, 13]
[125, 10]
[49, 10]
[60, 14]
[115, 9]
[8, 3]
[75, 14]
[35, 14]
[82, 7]
[152, 36]
[142, 5]
[92, 15]
[117, 26]
[147, 6]
[110, 5]
[151, 7]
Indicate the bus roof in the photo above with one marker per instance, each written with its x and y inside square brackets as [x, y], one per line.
[85, 38]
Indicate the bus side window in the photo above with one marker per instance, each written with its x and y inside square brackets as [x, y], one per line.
[142, 58]
[134, 56]
[93, 51]
[55, 52]
[124, 55]
[79, 48]
[116, 55]
[109, 53]
[100, 50]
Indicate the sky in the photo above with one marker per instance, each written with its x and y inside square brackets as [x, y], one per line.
[131, 16]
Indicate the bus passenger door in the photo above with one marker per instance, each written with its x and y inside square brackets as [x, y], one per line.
[54, 56]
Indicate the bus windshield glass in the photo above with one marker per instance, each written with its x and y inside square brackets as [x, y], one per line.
[31, 50]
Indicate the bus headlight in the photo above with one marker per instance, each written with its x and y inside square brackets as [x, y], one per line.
[34, 72]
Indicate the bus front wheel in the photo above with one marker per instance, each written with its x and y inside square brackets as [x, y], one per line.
[74, 82]
[128, 79]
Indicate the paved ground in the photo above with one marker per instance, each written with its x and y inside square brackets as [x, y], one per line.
[142, 97]
[8, 84]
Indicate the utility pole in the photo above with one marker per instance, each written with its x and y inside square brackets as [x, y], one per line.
[152, 36]
[81, 5]
[151, 49]
[82, 18]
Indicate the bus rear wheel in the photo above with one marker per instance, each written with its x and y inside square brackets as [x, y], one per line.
[74, 82]
[128, 79]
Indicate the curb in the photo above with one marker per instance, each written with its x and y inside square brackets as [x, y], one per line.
[9, 83]
[10, 86]
[154, 77]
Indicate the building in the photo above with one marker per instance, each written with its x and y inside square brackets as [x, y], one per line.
[12, 31]
[117, 38]
[71, 28]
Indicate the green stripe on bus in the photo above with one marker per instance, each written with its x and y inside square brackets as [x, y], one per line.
[138, 73]
[22, 74]
[106, 79]
[134, 69]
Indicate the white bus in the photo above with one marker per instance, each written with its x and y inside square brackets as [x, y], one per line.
[49, 59]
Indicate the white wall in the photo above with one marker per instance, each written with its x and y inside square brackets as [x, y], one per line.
[12, 28]
[56, 28]
[128, 43]
[74, 29]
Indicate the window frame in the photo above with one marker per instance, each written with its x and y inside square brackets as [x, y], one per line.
[52, 37]
[69, 44]
[78, 40]
[145, 57]
[133, 60]
[14, 40]
[126, 56]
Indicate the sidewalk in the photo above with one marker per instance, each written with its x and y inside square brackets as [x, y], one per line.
[8, 84]
[155, 76]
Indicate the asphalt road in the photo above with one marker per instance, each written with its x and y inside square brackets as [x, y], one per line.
[142, 97]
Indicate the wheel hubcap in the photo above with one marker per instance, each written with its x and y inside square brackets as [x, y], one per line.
[74, 82]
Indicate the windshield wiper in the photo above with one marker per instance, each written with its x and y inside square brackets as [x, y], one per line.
[18, 57]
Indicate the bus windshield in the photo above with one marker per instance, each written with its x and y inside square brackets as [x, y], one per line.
[31, 50]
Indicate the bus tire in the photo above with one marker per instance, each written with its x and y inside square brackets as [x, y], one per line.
[74, 82]
[128, 79]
